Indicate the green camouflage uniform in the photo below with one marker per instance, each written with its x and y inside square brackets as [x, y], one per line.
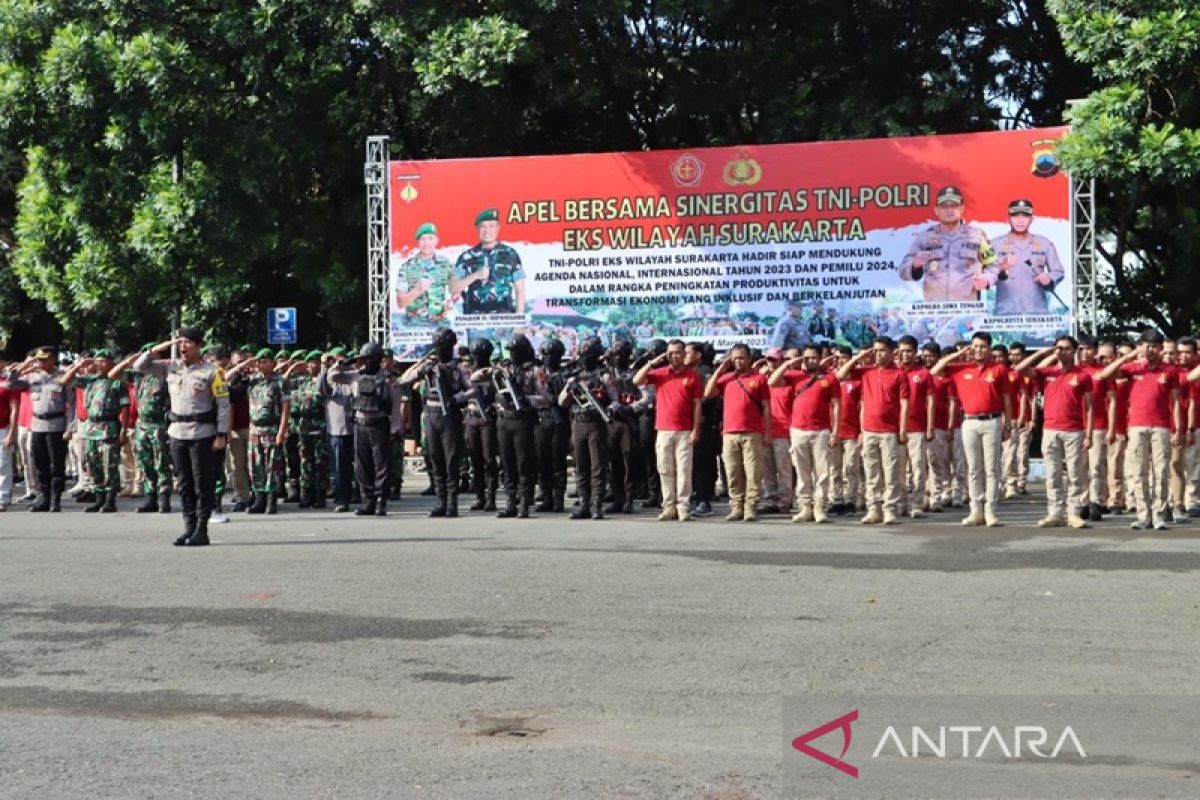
[150, 441]
[430, 306]
[496, 295]
[307, 424]
[266, 408]
[103, 399]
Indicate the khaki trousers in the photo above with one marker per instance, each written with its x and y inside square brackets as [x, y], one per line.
[1149, 463]
[847, 472]
[25, 446]
[742, 454]
[1066, 487]
[814, 467]
[1116, 472]
[778, 486]
[1178, 476]
[914, 472]
[1191, 466]
[939, 467]
[959, 491]
[1096, 459]
[238, 470]
[673, 452]
[1016, 458]
[981, 445]
[881, 463]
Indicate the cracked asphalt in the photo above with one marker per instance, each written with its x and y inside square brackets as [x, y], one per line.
[319, 655]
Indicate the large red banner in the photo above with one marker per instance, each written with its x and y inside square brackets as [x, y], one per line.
[775, 245]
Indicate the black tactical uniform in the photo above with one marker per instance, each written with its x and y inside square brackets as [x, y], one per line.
[552, 437]
[480, 421]
[589, 428]
[520, 395]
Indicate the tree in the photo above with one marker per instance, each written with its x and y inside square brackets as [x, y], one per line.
[1138, 135]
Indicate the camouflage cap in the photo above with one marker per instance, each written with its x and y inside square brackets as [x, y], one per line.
[1020, 206]
[265, 352]
[487, 215]
[425, 228]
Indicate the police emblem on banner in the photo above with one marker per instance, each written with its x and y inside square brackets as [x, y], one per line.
[1045, 162]
[687, 171]
[742, 171]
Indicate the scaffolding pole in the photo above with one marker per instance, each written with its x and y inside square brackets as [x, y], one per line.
[375, 178]
[1083, 240]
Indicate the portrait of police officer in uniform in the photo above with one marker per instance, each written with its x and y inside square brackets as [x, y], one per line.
[954, 260]
[489, 276]
[1028, 265]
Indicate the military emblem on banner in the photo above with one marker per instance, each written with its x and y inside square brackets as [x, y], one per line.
[687, 170]
[1045, 162]
[743, 170]
[408, 192]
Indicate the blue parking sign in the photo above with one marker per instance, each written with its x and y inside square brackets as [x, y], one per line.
[281, 326]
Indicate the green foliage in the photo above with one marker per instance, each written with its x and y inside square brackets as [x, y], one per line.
[1138, 136]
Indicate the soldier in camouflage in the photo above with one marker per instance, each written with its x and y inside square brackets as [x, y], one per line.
[269, 411]
[150, 444]
[489, 276]
[106, 402]
[426, 298]
[308, 426]
[954, 260]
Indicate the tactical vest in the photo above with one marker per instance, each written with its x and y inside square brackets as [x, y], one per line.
[370, 396]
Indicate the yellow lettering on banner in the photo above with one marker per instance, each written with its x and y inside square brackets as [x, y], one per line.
[522, 211]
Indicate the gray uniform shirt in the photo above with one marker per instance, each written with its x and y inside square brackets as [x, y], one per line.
[1018, 291]
[49, 397]
[789, 332]
[194, 389]
[338, 416]
[955, 260]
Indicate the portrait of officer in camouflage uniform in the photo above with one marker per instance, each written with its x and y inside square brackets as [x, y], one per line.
[954, 259]
[424, 279]
[1028, 265]
[308, 427]
[489, 276]
[106, 403]
[150, 445]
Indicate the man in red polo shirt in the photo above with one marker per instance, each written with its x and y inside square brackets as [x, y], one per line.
[815, 412]
[982, 389]
[847, 451]
[914, 457]
[1066, 431]
[940, 446]
[8, 438]
[1117, 435]
[746, 399]
[884, 421]
[1096, 455]
[778, 487]
[677, 395]
[1153, 405]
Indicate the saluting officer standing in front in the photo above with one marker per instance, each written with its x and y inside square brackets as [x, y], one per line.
[199, 422]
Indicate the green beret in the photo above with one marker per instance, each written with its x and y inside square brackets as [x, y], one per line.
[487, 215]
[149, 346]
[266, 352]
[425, 228]
[313, 355]
[102, 353]
[205, 350]
[338, 351]
[246, 348]
[282, 355]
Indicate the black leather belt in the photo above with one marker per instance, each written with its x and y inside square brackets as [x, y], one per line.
[996, 415]
[57, 415]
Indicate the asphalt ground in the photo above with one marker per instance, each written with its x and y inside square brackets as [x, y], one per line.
[314, 654]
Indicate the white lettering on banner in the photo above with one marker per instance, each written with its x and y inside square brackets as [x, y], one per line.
[993, 739]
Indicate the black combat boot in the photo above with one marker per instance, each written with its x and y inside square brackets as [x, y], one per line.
[200, 537]
[189, 527]
[366, 511]
[480, 501]
[523, 511]
[598, 512]
[260, 503]
[319, 500]
[110, 502]
[306, 500]
[97, 504]
[510, 508]
[1095, 512]
[271, 501]
[439, 508]
[149, 505]
[618, 502]
[560, 504]
[627, 507]
[164, 503]
[381, 509]
[585, 508]
[490, 505]
[56, 493]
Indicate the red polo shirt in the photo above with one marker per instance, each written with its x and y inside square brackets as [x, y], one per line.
[814, 394]
[6, 398]
[1121, 386]
[980, 389]
[851, 391]
[743, 407]
[1099, 397]
[1150, 393]
[781, 410]
[1063, 398]
[920, 384]
[942, 390]
[674, 394]
[882, 390]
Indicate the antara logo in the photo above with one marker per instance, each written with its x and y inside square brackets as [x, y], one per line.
[976, 742]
